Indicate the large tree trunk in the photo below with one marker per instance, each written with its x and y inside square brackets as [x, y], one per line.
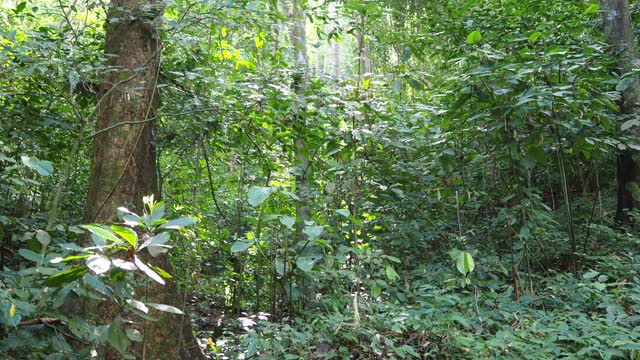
[123, 168]
[619, 34]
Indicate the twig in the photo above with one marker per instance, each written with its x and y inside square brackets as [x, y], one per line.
[213, 192]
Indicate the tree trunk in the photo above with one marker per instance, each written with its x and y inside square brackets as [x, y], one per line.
[123, 169]
[298, 37]
[619, 35]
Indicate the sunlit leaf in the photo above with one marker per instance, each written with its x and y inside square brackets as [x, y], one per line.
[464, 263]
[239, 246]
[103, 233]
[147, 270]
[42, 167]
[258, 194]
[166, 308]
[288, 221]
[177, 224]
[474, 37]
[99, 264]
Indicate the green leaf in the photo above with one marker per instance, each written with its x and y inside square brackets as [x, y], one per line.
[241, 245]
[460, 320]
[324, 244]
[157, 244]
[96, 284]
[376, 290]
[157, 212]
[127, 234]
[392, 258]
[629, 124]
[397, 85]
[166, 308]
[305, 263]
[117, 337]
[42, 167]
[177, 224]
[129, 217]
[74, 78]
[30, 255]
[417, 85]
[99, 264]
[474, 37]
[391, 273]
[161, 272]
[43, 237]
[156, 250]
[534, 37]
[134, 335]
[123, 264]
[281, 267]
[313, 232]
[147, 270]
[258, 194]
[21, 6]
[288, 221]
[537, 153]
[464, 263]
[344, 212]
[139, 305]
[625, 83]
[592, 9]
[590, 274]
[103, 233]
[65, 277]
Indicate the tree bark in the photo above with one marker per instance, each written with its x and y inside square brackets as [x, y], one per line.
[123, 168]
[619, 35]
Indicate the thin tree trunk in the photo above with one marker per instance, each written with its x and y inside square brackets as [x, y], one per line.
[123, 169]
[298, 36]
[619, 34]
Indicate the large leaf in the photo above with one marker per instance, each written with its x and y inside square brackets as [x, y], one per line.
[258, 194]
[474, 37]
[288, 221]
[134, 335]
[147, 270]
[464, 263]
[123, 264]
[43, 237]
[162, 273]
[31, 255]
[139, 305]
[103, 233]
[65, 277]
[157, 244]
[177, 224]
[42, 167]
[157, 212]
[625, 83]
[99, 264]
[305, 263]
[391, 273]
[96, 284]
[313, 232]
[117, 337]
[592, 9]
[344, 212]
[166, 308]
[127, 234]
[130, 218]
[239, 246]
